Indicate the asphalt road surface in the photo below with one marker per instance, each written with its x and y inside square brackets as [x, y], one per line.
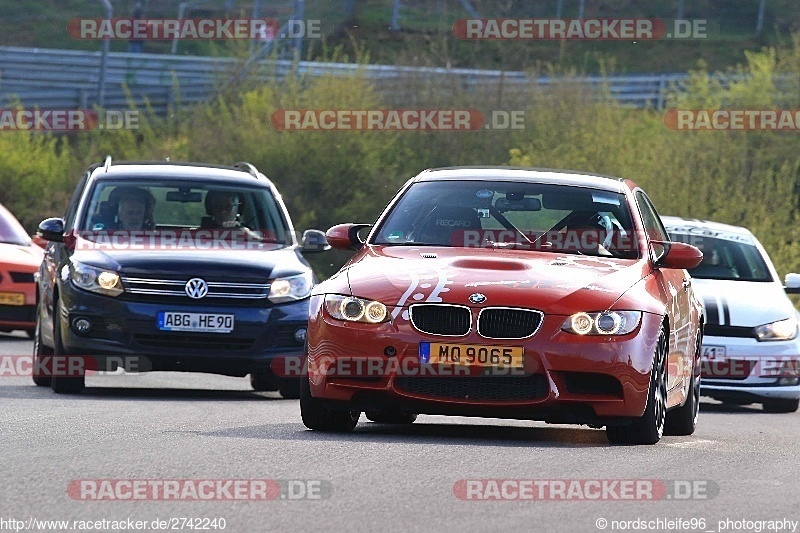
[160, 451]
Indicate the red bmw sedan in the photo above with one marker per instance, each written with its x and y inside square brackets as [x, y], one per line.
[509, 293]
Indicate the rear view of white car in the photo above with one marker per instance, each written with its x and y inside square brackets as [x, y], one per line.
[751, 349]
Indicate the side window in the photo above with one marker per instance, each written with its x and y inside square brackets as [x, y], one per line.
[652, 224]
[72, 208]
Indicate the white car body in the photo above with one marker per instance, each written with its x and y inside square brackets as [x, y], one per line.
[739, 367]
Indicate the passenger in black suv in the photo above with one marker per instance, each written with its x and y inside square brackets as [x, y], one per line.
[174, 295]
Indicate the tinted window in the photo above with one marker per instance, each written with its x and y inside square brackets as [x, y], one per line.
[726, 259]
[554, 218]
[184, 205]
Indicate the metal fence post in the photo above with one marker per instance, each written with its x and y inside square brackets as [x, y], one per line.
[101, 82]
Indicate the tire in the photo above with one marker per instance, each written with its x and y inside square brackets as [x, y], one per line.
[781, 406]
[39, 350]
[63, 384]
[264, 381]
[290, 388]
[391, 416]
[648, 428]
[683, 420]
[319, 418]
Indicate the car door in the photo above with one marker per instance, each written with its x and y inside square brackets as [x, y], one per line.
[676, 287]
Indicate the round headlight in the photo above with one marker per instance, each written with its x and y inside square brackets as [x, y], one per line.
[375, 312]
[581, 323]
[608, 323]
[352, 309]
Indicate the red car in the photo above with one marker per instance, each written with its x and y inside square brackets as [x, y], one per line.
[19, 260]
[509, 293]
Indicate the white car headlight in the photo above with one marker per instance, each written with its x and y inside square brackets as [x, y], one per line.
[291, 288]
[354, 309]
[603, 323]
[782, 330]
[95, 279]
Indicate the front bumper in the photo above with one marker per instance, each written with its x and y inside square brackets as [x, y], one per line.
[751, 370]
[129, 329]
[566, 378]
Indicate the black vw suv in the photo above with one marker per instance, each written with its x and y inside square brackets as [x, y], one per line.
[142, 274]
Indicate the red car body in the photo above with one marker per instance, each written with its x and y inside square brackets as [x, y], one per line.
[386, 369]
[19, 260]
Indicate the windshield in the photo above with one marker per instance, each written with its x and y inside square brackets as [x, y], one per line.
[162, 206]
[728, 259]
[497, 214]
[11, 231]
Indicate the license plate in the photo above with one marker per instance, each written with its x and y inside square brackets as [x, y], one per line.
[12, 298]
[197, 322]
[470, 355]
[714, 352]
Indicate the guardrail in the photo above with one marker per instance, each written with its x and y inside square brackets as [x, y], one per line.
[69, 79]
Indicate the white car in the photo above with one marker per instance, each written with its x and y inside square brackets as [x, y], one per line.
[751, 349]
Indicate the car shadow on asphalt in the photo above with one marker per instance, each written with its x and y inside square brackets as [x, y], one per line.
[31, 392]
[752, 409]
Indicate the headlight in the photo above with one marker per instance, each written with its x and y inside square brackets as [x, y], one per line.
[95, 279]
[355, 309]
[291, 288]
[603, 323]
[782, 330]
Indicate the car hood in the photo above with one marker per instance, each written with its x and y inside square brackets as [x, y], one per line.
[240, 265]
[742, 303]
[555, 283]
[22, 258]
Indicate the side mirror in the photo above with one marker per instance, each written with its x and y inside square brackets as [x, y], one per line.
[51, 229]
[792, 284]
[679, 255]
[345, 236]
[314, 241]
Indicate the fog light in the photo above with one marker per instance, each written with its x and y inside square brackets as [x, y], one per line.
[788, 381]
[81, 325]
[300, 335]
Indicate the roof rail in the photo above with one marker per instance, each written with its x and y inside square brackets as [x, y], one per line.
[243, 165]
[107, 164]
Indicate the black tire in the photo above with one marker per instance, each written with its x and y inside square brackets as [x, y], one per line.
[391, 416]
[264, 381]
[31, 333]
[683, 420]
[319, 418]
[64, 384]
[290, 388]
[780, 405]
[39, 350]
[648, 428]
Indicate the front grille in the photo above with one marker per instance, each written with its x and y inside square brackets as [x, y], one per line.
[484, 388]
[506, 323]
[175, 288]
[21, 277]
[592, 383]
[727, 369]
[441, 319]
[18, 313]
[715, 330]
[195, 342]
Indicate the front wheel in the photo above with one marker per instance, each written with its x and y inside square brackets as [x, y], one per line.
[65, 384]
[648, 428]
[318, 417]
[40, 351]
[683, 420]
